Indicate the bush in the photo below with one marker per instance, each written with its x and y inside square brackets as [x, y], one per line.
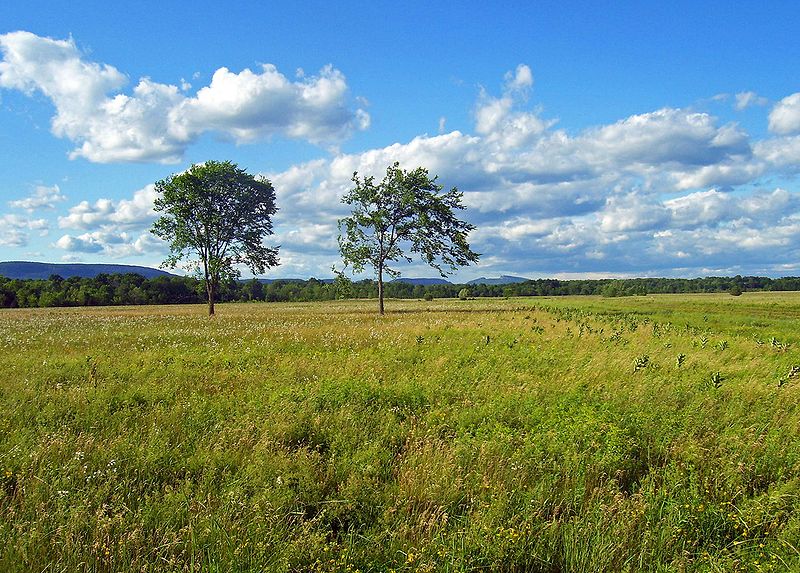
[464, 294]
[428, 296]
[735, 290]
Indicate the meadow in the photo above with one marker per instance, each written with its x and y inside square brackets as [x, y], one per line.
[573, 434]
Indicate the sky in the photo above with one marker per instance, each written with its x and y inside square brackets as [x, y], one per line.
[589, 139]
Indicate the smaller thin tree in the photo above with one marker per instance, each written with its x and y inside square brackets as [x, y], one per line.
[219, 214]
[406, 212]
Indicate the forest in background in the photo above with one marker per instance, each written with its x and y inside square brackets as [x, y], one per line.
[134, 289]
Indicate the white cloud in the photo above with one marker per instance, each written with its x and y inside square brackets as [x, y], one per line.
[784, 119]
[309, 237]
[782, 153]
[659, 193]
[498, 120]
[597, 201]
[609, 200]
[248, 106]
[515, 229]
[701, 208]
[749, 99]
[631, 213]
[83, 244]
[42, 197]
[158, 121]
[730, 172]
[13, 229]
[125, 213]
[519, 80]
[664, 138]
[111, 243]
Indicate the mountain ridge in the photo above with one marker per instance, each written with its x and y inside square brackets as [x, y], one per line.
[26, 270]
[501, 280]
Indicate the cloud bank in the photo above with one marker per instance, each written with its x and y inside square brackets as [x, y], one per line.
[156, 122]
[669, 192]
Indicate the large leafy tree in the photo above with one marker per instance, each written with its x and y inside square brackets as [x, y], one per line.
[405, 213]
[216, 216]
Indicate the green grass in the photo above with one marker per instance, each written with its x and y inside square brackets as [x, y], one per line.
[542, 434]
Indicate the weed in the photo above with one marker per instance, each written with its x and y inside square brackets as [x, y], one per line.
[641, 362]
[715, 381]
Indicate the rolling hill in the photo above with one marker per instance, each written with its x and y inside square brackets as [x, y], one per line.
[33, 270]
[502, 280]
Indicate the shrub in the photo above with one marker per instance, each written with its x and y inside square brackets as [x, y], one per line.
[464, 294]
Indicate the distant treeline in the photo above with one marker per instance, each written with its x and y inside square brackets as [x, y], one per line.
[132, 289]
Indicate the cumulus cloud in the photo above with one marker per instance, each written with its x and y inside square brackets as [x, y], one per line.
[156, 122]
[780, 152]
[784, 119]
[671, 191]
[113, 228]
[111, 244]
[83, 244]
[14, 229]
[664, 138]
[125, 213]
[631, 212]
[42, 197]
[248, 106]
[500, 121]
[627, 198]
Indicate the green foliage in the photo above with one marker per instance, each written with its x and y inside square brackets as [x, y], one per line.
[405, 213]
[464, 294]
[119, 289]
[343, 286]
[219, 214]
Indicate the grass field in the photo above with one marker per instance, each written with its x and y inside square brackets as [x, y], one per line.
[657, 433]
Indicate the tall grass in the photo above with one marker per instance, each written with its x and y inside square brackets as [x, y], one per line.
[547, 435]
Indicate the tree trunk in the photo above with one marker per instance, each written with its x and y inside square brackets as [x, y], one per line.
[380, 289]
[211, 292]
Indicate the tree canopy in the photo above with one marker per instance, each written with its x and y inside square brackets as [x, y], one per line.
[405, 213]
[216, 216]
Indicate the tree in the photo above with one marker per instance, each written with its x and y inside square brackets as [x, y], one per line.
[406, 212]
[220, 214]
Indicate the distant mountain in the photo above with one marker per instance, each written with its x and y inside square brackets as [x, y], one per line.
[502, 280]
[288, 280]
[422, 281]
[31, 270]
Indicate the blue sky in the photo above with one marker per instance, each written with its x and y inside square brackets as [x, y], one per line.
[589, 139]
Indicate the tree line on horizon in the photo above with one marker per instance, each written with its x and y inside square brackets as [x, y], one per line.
[134, 289]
